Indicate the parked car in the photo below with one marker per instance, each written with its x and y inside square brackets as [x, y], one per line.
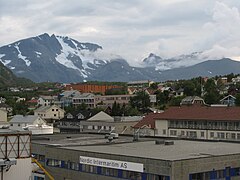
[113, 135]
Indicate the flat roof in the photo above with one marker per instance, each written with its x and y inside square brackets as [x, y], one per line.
[124, 146]
[4, 132]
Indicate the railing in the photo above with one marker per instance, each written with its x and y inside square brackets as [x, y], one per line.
[42, 168]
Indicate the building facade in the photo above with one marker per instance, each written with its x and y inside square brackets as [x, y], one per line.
[194, 122]
[91, 88]
[86, 98]
[49, 113]
[147, 160]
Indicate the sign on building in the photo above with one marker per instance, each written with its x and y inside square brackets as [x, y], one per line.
[108, 163]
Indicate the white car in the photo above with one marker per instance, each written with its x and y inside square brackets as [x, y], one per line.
[113, 135]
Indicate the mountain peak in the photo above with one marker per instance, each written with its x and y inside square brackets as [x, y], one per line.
[152, 60]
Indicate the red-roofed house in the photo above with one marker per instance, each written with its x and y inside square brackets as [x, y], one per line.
[198, 122]
[146, 126]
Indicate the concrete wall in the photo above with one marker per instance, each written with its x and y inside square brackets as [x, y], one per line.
[177, 170]
[150, 166]
[160, 127]
[22, 170]
[3, 115]
[183, 168]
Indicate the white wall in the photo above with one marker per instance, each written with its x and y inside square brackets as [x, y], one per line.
[160, 126]
[21, 171]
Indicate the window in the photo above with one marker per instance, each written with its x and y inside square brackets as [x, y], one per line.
[164, 131]
[72, 165]
[55, 115]
[233, 135]
[41, 157]
[202, 134]
[211, 134]
[56, 109]
[53, 162]
[238, 135]
[220, 135]
[11, 125]
[18, 124]
[192, 134]
[52, 109]
[173, 132]
[182, 133]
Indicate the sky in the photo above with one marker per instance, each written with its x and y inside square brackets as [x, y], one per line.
[130, 28]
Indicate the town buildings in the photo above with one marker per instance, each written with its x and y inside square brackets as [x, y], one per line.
[49, 113]
[193, 122]
[91, 88]
[34, 124]
[92, 157]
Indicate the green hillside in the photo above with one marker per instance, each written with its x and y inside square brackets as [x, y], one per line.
[7, 78]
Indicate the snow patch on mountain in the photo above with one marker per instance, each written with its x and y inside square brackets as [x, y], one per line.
[20, 56]
[38, 53]
[62, 57]
[11, 67]
[175, 62]
[2, 55]
[5, 62]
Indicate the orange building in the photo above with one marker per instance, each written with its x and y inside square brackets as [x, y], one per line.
[91, 88]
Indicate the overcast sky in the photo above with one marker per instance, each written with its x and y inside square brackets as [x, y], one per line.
[130, 28]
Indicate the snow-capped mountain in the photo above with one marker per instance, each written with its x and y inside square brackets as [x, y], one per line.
[62, 59]
[176, 62]
[152, 60]
[51, 58]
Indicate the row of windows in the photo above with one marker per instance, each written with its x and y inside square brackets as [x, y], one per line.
[216, 174]
[205, 125]
[82, 100]
[193, 134]
[105, 171]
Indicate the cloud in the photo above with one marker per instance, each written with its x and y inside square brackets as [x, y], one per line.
[222, 35]
[132, 29]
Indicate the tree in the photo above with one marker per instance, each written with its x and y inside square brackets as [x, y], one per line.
[154, 86]
[133, 112]
[141, 101]
[189, 88]
[237, 101]
[162, 97]
[212, 95]
[175, 101]
[116, 109]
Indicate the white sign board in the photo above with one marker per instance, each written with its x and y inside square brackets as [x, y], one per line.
[108, 163]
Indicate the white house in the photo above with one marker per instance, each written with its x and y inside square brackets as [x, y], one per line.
[99, 122]
[46, 100]
[32, 123]
[49, 113]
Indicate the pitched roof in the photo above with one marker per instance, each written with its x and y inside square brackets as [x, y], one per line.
[71, 93]
[193, 113]
[190, 100]
[23, 119]
[86, 113]
[47, 97]
[202, 113]
[147, 121]
[227, 97]
[32, 101]
[101, 116]
[45, 108]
